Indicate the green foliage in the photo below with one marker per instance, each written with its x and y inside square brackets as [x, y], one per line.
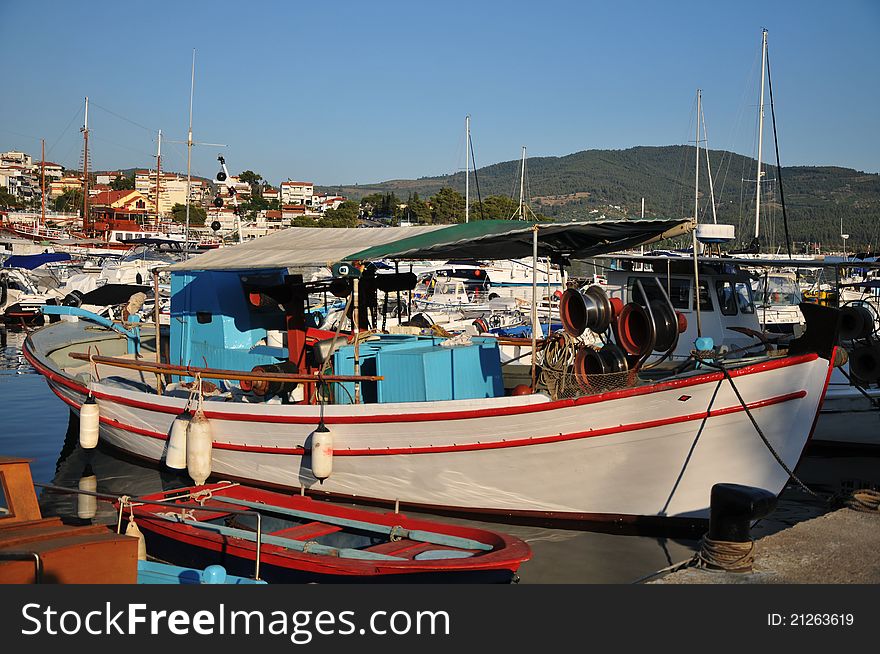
[381, 206]
[70, 200]
[253, 180]
[345, 215]
[447, 207]
[611, 183]
[123, 183]
[417, 210]
[197, 215]
[9, 201]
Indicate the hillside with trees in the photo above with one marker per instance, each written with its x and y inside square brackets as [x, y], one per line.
[592, 184]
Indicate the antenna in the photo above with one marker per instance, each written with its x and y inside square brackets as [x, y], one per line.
[189, 145]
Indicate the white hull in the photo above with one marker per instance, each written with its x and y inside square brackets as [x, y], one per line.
[613, 456]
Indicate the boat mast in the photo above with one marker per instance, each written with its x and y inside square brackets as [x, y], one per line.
[467, 170]
[697, 159]
[189, 144]
[760, 133]
[522, 178]
[43, 182]
[696, 216]
[158, 174]
[85, 131]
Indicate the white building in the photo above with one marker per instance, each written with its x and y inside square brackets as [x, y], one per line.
[172, 189]
[297, 193]
[16, 158]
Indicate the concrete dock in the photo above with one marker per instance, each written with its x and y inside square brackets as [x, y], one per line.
[841, 547]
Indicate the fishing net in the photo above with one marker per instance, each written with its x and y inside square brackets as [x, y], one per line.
[568, 385]
[560, 380]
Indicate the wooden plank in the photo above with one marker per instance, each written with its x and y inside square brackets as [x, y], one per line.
[420, 535]
[287, 543]
[216, 373]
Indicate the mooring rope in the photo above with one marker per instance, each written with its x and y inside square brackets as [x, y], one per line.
[745, 407]
[866, 500]
[725, 555]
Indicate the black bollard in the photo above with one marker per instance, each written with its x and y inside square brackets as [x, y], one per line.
[734, 508]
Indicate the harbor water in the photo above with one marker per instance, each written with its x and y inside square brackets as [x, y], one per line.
[37, 425]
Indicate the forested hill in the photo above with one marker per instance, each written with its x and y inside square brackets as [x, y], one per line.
[593, 183]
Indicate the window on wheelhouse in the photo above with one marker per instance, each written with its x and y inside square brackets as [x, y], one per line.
[744, 298]
[727, 299]
[679, 289]
[776, 290]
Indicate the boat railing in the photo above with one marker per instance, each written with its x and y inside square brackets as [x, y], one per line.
[26, 555]
[216, 373]
[125, 501]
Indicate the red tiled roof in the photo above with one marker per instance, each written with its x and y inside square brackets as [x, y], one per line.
[289, 183]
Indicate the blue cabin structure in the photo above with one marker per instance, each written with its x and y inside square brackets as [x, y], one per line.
[222, 319]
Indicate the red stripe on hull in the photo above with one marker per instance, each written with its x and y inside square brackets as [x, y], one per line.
[469, 447]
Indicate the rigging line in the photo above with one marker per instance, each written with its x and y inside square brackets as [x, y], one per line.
[77, 114]
[27, 136]
[693, 447]
[120, 145]
[477, 181]
[113, 113]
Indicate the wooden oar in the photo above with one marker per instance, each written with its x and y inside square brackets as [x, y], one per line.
[415, 534]
[287, 543]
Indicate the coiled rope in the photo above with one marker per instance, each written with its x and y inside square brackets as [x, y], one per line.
[866, 500]
[725, 555]
[557, 358]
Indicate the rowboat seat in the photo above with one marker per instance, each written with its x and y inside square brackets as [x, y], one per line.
[307, 531]
[437, 555]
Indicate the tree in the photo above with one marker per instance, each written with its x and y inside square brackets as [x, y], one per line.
[447, 207]
[418, 210]
[197, 215]
[8, 200]
[123, 183]
[70, 200]
[253, 180]
[345, 215]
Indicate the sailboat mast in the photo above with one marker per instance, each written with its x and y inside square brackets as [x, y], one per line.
[43, 181]
[696, 216]
[697, 159]
[467, 169]
[158, 175]
[85, 131]
[189, 144]
[760, 133]
[522, 179]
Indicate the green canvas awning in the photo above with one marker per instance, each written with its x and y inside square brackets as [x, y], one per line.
[506, 239]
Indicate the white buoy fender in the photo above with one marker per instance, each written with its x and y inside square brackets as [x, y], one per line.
[87, 505]
[199, 443]
[322, 452]
[175, 455]
[89, 424]
[134, 531]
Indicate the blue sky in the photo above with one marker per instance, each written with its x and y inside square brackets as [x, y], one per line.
[359, 92]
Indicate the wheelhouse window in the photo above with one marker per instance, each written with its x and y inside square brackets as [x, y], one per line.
[727, 299]
[679, 291]
[744, 298]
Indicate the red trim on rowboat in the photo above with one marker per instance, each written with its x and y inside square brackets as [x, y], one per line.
[773, 364]
[468, 447]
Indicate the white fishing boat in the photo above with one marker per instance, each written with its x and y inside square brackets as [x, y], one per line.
[419, 422]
